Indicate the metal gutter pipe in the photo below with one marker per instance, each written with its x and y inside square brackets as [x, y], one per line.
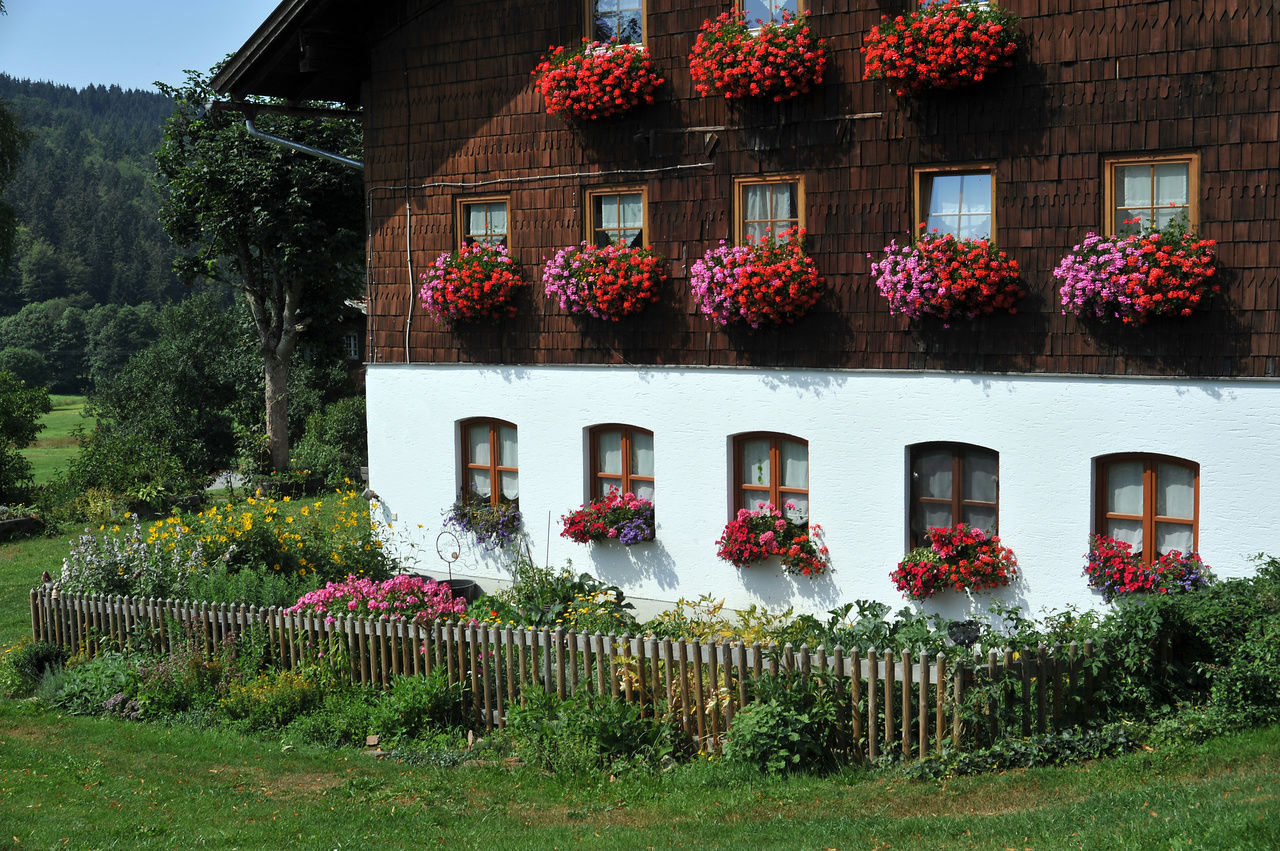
[298, 146]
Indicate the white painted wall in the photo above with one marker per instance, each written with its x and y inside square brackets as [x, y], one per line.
[859, 425]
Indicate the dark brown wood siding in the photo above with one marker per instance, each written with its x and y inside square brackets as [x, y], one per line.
[452, 112]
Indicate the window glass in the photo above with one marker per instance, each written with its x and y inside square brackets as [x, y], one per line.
[952, 483]
[479, 438]
[980, 476]
[609, 450]
[491, 458]
[484, 222]
[769, 208]
[617, 19]
[933, 473]
[642, 453]
[623, 457]
[767, 10]
[773, 469]
[958, 204]
[618, 218]
[1125, 488]
[755, 463]
[1152, 193]
[507, 454]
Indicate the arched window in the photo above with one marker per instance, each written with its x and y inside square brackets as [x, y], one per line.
[772, 468]
[1149, 501]
[490, 457]
[953, 483]
[622, 458]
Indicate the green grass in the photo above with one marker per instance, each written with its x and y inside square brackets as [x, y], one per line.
[21, 563]
[56, 445]
[93, 783]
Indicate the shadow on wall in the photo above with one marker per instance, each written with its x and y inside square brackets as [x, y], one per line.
[622, 565]
[776, 590]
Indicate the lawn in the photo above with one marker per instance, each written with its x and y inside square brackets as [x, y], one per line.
[57, 444]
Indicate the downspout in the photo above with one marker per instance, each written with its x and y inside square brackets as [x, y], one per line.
[298, 146]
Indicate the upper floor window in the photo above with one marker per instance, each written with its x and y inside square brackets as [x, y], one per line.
[767, 205]
[958, 202]
[491, 467]
[922, 4]
[772, 468]
[351, 345]
[622, 458]
[1149, 501]
[1151, 192]
[622, 20]
[616, 216]
[482, 220]
[953, 483]
[769, 11]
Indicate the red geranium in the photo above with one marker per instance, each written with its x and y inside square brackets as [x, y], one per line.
[768, 281]
[607, 282]
[754, 536]
[941, 46]
[596, 80]
[1116, 570]
[477, 282]
[961, 557]
[778, 60]
[947, 277]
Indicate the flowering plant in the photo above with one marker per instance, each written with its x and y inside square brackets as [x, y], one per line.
[596, 79]
[959, 556]
[754, 536]
[477, 282]
[403, 597]
[1115, 570]
[766, 281]
[621, 516]
[607, 283]
[940, 46]
[947, 277]
[493, 526]
[779, 60]
[1165, 272]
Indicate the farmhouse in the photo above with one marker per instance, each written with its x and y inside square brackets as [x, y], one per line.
[1040, 424]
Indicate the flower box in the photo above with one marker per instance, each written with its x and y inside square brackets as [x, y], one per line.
[607, 283]
[476, 283]
[494, 527]
[940, 46]
[596, 80]
[765, 282]
[623, 517]
[960, 557]
[1166, 272]
[947, 277]
[1115, 570]
[778, 60]
[756, 536]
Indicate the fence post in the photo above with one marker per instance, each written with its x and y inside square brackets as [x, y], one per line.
[873, 713]
[855, 696]
[890, 674]
[955, 706]
[906, 704]
[1042, 667]
[994, 676]
[922, 718]
[940, 699]
[683, 650]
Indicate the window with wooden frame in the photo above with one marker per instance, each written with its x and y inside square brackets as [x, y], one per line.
[952, 483]
[769, 11]
[1149, 501]
[923, 4]
[482, 220]
[490, 468]
[765, 205]
[620, 20]
[958, 201]
[1144, 192]
[617, 216]
[772, 468]
[621, 458]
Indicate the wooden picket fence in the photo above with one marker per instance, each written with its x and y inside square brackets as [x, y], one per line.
[914, 705]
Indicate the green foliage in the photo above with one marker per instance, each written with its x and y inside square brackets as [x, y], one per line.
[24, 664]
[545, 596]
[1059, 748]
[89, 683]
[344, 719]
[20, 410]
[169, 685]
[415, 705]
[271, 700]
[587, 733]
[335, 444]
[793, 724]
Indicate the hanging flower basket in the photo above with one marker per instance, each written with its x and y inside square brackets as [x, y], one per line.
[607, 283]
[765, 282]
[620, 517]
[596, 80]
[947, 277]
[1115, 570]
[960, 557]
[754, 536]
[1167, 272]
[941, 46]
[778, 61]
[478, 282]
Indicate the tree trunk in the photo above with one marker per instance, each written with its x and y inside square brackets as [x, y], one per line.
[277, 380]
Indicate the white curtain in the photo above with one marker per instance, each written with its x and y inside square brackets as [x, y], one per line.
[478, 440]
[641, 454]
[609, 452]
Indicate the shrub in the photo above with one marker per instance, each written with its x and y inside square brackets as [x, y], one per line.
[271, 700]
[794, 724]
[477, 282]
[586, 733]
[609, 282]
[543, 596]
[335, 444]
[416, 705]
[186, 680]
[778, 60]
[343, 719]
[401, 597]
[90, 683]
[24, 664]
[134, 561]
[768, 281]
[20, 410]
[596, 79]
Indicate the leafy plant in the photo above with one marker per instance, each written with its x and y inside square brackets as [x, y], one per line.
[586, 733]
[23, 665]
[778, 60]
[767, 281]
[616, 516]
[415, 705]
[493, 526]
[596, 79]
[271, 700]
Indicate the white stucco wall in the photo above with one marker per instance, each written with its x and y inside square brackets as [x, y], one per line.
[1047, 430]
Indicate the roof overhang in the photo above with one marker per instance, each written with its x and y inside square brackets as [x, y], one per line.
[304, 50]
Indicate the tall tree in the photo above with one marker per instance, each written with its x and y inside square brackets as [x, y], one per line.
[283, 228]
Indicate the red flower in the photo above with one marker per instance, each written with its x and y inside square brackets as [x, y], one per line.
[596, 80]
[778, 60]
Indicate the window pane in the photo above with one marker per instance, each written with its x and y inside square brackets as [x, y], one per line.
[1124, 488]
[475, 219]
[1174, 536]
[510, 485]
[752, 499]
[973, 227]
[641, 453]
[795, 465]
[932, 473]
[1129, 531]
[609, 452]
[479, 482]
[800, 512]
[784, 202]
[1133, 186]
[507, 456]
[975, 193]
[980, 476]
[757, 230]
[478, 444]
[942, 224]
[980, 517]
[1171, 184]
[944, 194]
[632, 209]
[497, 217]
[755, 463]
[1164, 215]
[644, 490]
[606, 211]
[755, 198]
[933, 514]
[1175, 491]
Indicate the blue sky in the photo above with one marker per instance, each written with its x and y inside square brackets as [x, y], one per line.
[128, 42]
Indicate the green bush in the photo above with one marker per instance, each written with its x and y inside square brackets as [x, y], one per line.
[343, 719]
[585, 734]
[794, 724]
[174, 684]
[88, 685]
[25, 663]
[335, 444]
[271, 700]
[544, 596]
[415, 705]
